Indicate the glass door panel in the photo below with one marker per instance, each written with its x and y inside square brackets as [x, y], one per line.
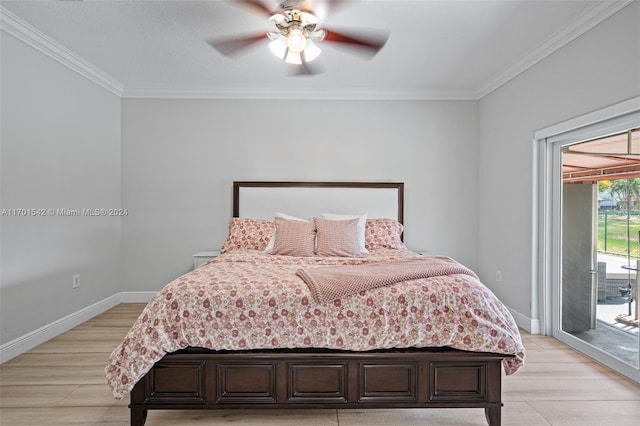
[601, 247]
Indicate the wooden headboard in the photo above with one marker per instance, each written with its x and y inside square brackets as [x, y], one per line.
[263, 199]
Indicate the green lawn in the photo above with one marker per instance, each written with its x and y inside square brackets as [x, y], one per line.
[616, 228]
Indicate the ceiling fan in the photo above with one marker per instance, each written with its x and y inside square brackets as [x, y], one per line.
[297, 33]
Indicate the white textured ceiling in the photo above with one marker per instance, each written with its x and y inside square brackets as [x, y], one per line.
[450, 49]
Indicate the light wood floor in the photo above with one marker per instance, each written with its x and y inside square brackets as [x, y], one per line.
[61, 382]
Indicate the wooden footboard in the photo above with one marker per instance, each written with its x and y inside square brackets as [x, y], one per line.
[412, 378]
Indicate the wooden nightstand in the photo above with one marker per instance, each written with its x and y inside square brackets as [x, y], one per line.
[203, 257]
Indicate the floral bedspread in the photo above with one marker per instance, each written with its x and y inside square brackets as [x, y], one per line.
[250, 300]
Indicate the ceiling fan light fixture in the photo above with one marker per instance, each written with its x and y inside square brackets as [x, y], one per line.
[293, 40]
[308, 19]
[294, 58]
[279, 20]
[273, 36]
[312, 51]
[297, 41]
[279, 47]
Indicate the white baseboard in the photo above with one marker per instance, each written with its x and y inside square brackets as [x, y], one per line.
[31, 340]
[137, 296]
[529, 324]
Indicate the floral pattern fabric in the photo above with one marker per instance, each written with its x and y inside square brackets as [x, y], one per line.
[383, 233]
[246, 299]
[248, 234]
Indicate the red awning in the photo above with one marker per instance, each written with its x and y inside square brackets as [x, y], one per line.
[612, 157]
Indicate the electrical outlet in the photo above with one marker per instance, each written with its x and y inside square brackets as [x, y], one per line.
[499, 275]
[76, 281]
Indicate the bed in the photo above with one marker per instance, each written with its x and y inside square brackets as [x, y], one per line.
[269, 324]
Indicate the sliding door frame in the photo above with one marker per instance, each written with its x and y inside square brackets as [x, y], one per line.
[547, 218]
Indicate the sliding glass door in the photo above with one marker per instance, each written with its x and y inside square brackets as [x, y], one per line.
[595, 291]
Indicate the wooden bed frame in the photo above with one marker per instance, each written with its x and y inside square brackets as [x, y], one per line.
[197, 378]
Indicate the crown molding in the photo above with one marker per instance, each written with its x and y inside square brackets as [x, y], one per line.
[591, 17]
[14, 26]
[304, 94]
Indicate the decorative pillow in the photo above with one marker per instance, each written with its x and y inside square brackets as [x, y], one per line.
[337, 237]
[362, 222]
[248, 234]
[384, 233]
[272, 240]
[294, 237]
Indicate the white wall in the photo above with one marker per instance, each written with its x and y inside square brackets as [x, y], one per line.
[600, 68]
[60, 148]
[180, 158]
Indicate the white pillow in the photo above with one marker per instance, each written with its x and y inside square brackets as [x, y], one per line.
[362, 223]
[286, 216]
[272, 240]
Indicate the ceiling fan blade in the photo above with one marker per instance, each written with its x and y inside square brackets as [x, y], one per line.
[235, 45]
[260, 6]
[369, 43]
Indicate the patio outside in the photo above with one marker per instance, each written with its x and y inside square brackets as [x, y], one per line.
[616, 328]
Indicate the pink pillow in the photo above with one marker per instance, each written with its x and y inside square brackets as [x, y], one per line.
[294, 237]
[383, 233]
[248, 234]
[337, 237]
